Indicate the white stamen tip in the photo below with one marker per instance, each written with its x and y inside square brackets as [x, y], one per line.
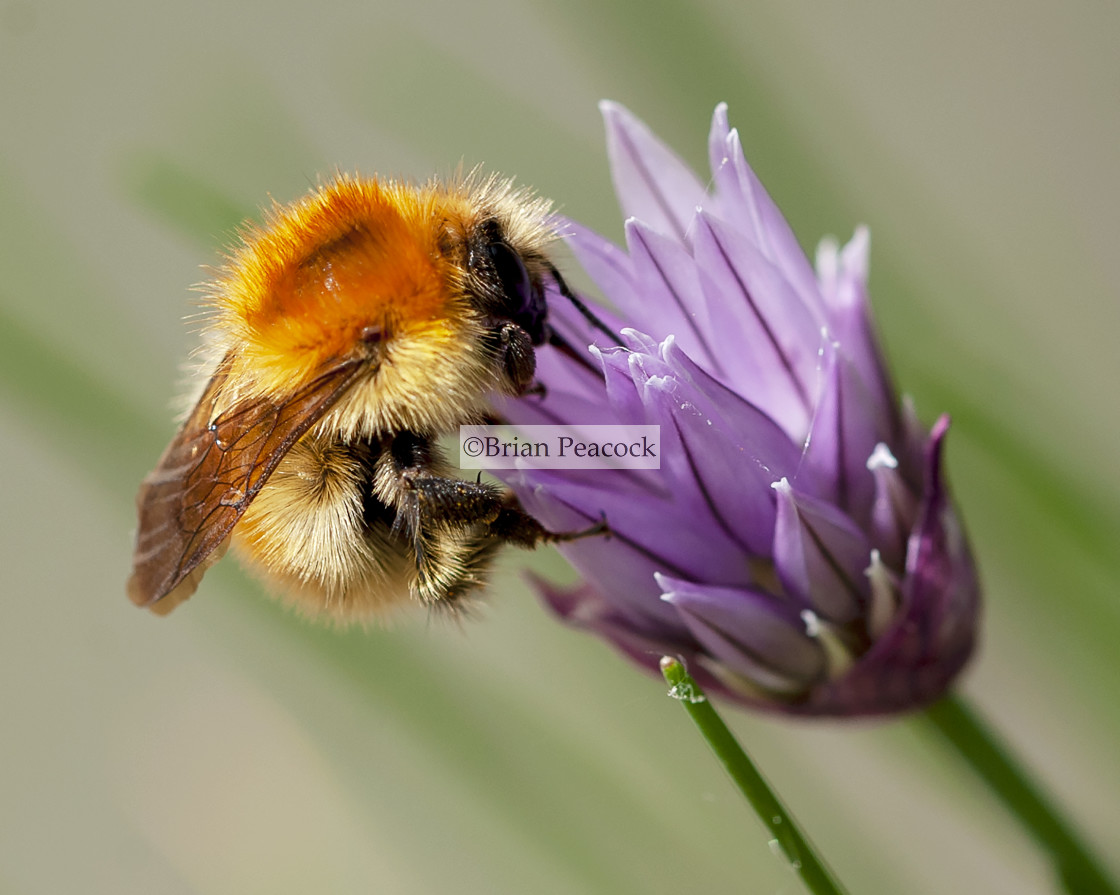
[882, 458]
[812, 622]
[876, 562]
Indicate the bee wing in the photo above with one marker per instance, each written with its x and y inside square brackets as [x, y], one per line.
[210, 474]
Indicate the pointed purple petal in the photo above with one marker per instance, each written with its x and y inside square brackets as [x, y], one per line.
[636, 341]
[894, 509]
[820, 556]
[764, 326]
[843, 275]
[652, 183]
[847, 425]
[608, 266]
[752, 634]
[623, 398]
[941, 580]
[742, 201]
[728, 480]
[585, 608]
[651, 531]
[759, 436]
[669, 285]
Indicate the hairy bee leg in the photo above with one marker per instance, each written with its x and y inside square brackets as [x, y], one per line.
[514, 526]
[474, 564]
[427, 500]
[515, 348]
[426, 496]
[443, 499]
[446, 574]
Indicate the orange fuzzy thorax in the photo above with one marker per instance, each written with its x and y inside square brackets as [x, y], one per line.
[301, 290]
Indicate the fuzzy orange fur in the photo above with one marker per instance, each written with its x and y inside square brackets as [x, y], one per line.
[298, 292]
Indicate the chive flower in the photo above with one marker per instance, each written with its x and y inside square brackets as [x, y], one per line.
[798, 548]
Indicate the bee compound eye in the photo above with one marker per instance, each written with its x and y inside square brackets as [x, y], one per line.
[524, 302]
[513, 276]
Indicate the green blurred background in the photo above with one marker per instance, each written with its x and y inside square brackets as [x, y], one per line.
[233, 749]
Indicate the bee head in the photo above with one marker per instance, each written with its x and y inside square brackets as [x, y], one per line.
[506, 282]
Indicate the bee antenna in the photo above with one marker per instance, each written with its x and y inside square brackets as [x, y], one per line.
[578, 304]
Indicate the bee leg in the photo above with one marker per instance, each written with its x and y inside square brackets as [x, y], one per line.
[436, 499]
[474, 562]
[515, 347]
[427, 500]
[429, 503]
[427, 496]
[514, 526]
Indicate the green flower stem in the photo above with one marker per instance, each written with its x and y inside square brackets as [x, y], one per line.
[970, 737]
[796, 848]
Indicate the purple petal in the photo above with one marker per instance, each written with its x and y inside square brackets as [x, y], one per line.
[757, 434]
[843, 275]
[820, 556]
[729, 480]
[764, 328]
[941, 582]
[652, 183]
[894, 509]
[608, 266]
[585, 608]
[652, 532]
[624, 370]
[752, 634]
[622, 395]
[743, 203]
[848, 424]
[636, 341]
[668, 282]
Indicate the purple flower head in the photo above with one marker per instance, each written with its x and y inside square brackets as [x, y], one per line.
[798, 548]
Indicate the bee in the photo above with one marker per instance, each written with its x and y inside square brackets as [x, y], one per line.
[348, 333]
